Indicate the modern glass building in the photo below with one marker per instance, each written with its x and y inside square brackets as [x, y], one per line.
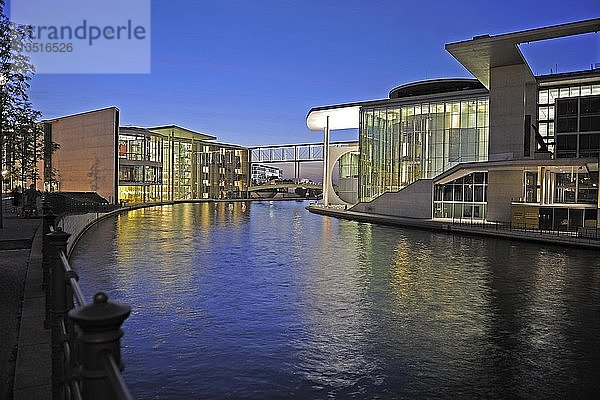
[261, 174]
[552, 94]
[420, 136]
[141, 165]
[171, 163]
[506, 146]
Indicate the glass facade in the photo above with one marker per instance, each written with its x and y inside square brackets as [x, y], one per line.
[463, 198]
[156, 167]
[400, 144]
[567, 219]
[139, 147]
[182, 170]
[140, 165]
[557, 199]
[347, 182]
[348, 165]
[576, 188]
[578, 127]
[531, 187]
[547, 98]
[221, 172]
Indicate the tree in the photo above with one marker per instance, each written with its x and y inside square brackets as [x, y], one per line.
[21, 136]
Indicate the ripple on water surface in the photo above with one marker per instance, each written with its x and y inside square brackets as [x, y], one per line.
[270, 301]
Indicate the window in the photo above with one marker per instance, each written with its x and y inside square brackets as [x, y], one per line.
[576, 115]
[129, 173]
[566, 125]
[531, 187]
[566, 184]
[589, 145]
[404, 143]
[461, 198]
[587, 188]
[590, 105]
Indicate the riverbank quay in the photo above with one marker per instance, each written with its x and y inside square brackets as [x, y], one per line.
[25, 345]
[25, 349]
[464, 227]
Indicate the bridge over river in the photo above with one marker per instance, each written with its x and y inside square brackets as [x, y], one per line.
[294, 154]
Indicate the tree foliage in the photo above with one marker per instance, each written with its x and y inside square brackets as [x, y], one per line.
[21, 136]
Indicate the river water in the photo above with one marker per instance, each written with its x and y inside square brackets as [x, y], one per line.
[270, 301]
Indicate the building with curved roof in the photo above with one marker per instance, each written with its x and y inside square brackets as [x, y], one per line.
[503, 146]
[434, 86]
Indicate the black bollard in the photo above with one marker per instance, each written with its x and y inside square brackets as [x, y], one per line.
[58, 242]
[100, 338]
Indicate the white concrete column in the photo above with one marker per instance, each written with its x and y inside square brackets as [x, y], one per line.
[326, 176]
[542, 184]
[551, 187]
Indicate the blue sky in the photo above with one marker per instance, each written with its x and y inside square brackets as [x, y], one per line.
[248, 71]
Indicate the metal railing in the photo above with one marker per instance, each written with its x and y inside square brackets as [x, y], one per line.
[77, 202]
[86, 338]
[577, 235]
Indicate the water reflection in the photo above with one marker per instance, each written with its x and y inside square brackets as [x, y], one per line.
[269, 301]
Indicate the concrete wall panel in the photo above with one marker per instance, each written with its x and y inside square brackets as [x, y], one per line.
[414, 201]
[513, 94]
[503, 188]
[86, 159]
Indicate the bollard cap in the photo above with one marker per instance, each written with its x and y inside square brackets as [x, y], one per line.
[101, 315]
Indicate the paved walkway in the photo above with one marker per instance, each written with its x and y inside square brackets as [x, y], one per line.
[21, 311]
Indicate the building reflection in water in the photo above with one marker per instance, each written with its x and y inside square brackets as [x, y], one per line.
[268, 300]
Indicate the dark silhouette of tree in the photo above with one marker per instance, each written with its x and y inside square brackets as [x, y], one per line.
[21, 136]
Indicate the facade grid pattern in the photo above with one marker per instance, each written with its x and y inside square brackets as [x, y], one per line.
[400, 144]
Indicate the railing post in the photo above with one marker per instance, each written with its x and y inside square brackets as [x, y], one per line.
[58, 242]
[100, 337]
[48, 220]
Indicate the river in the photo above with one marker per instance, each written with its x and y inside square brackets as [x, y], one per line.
[269, 301]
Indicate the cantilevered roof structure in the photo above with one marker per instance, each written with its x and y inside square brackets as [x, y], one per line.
[484, 52]
[346, 116]
[181, 132]
[341, 116]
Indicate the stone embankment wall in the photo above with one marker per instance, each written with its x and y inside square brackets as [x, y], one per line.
[77, 224]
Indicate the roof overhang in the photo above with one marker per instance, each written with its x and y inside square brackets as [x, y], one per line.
[569, 78]
[343, 116]
[482, 53]
[558, 165]
[181, 132]
[135, 130]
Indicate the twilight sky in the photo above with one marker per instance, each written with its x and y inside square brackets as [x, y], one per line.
[248, 71]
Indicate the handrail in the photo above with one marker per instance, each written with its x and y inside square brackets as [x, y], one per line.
[581, 236]
[76, 390]
[72, 280]
[115, 376]
[86, 365]
[66, 344]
